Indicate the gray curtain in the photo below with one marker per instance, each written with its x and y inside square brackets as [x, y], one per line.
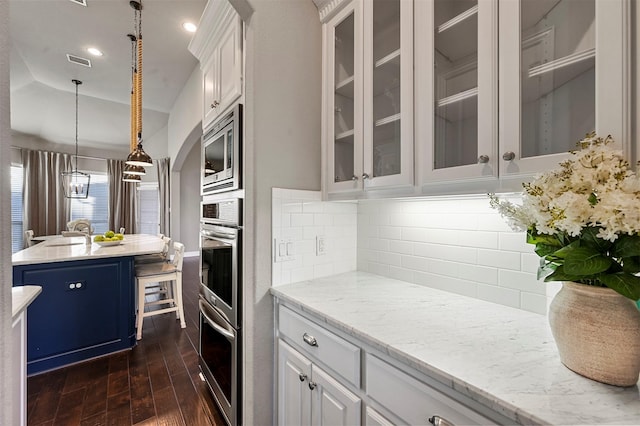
[123, 212]
[164, 190]
[45, 210]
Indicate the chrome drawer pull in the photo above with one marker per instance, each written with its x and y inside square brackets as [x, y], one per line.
[302, 377]
[309, 340]
[440, 421]
[312, 385]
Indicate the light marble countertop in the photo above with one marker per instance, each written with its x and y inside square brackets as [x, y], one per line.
[21, 298]
[75, 248]
[502, 357]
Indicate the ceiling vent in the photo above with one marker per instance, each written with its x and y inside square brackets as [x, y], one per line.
[80, 2]
[78, 60]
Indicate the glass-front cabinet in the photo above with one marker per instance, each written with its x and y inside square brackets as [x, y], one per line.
[343, 85]
[369, 96]
[562, 73]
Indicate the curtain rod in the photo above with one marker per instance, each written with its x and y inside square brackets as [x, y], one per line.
[86, 157]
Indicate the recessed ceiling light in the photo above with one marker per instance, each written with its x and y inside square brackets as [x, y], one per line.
[189, 27]
[94, 51]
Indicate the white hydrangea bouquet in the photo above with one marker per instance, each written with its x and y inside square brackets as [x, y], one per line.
[584, 219]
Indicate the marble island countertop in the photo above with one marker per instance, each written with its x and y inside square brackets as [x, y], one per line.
[21, 298]
[502, 357]
[63, 249]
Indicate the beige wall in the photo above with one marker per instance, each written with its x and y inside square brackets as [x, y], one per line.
[6, 386]
[282, 149]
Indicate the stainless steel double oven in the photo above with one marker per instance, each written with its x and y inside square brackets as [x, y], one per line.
[220, 348]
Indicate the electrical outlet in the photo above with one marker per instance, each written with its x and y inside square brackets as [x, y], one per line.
[321, 245]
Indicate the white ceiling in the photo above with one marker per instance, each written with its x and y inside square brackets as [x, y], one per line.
[42, 94]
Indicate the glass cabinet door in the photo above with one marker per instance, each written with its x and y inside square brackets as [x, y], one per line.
[456, 83]
[561, 64]
[344, 105]
[388, 98]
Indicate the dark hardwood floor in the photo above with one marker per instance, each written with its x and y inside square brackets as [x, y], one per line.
[155, 383]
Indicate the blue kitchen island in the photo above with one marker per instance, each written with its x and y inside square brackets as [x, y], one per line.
[87, 305]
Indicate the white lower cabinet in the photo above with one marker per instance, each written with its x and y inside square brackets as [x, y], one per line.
[307, 395]
[328, 379]
[412, 401]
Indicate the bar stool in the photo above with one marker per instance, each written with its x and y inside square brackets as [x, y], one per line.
[152, 274]
[153, 258]
[28, 238]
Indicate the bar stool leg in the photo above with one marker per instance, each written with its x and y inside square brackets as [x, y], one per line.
[140, 316]
[178, 296]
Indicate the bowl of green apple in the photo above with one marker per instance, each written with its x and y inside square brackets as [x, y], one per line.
[109, 238]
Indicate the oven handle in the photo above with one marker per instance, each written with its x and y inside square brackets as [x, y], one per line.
[229, 335]
[227, 235]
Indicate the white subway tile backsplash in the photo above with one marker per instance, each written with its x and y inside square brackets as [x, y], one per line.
[390, 232]
[402, 247]
[299, 219]
[458, 245]
[499, 259]
[415, 263]
[501, 295]
[533, 303]
[523, 281]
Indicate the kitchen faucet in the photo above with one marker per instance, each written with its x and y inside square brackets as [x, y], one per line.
[86, 235]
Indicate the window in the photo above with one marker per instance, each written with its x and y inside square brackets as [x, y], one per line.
[96, 206]
[17, 231]
[148, 208]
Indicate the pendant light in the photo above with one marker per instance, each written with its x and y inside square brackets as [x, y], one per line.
[75, 184]
[132, 173]
[138, 157]
[127, 177]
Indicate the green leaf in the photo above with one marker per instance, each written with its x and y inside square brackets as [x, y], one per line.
[627, 246]
[588, 237]
[560, 275]
[626, 284]
[631, 264]
[567, 250]
[546, 269]
[544, 250]
[550, 240]
[593, 199]
[585, 261]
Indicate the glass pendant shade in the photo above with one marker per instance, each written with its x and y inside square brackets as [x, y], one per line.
[134, 170]
[131, 178]
[75, 184]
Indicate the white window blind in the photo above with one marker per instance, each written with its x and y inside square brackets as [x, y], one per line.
[17, 231]
[96, 206]
[148, 205]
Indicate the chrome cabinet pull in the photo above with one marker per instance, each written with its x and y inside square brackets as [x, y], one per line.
[309, 339]
[508, 156]
[365, 176]
[215, 104]
[440, 421]
[312, 385]
[483, 159]
[302, 377]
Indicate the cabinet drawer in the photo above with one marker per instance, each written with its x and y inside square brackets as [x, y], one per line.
[412, 400]
[312, 339]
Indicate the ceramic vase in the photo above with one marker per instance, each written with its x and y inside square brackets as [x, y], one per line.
[597, 332]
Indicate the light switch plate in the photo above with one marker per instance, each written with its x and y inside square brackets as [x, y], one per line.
[283, 250]
[321, 245]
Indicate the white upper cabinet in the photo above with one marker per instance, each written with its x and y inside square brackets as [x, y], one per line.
[562, 68]
[368, 102]
[564, 72]
[218, 46]
[456, 88]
